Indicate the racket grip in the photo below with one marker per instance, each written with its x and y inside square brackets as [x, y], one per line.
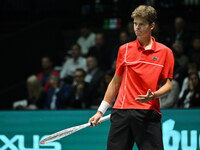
[105, 118]
[102, 119]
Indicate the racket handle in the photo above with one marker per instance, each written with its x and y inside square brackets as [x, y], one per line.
[105, 118]
[102, 119]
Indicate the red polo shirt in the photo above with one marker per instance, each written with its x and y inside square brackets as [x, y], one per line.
[142, 70]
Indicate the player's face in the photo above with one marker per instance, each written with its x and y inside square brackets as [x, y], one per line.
[142, 27]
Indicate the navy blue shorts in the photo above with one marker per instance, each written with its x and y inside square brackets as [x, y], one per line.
[129, 126]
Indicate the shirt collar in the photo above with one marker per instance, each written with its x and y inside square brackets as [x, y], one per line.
[153, 47]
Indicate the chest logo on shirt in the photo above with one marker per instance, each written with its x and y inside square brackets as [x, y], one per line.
[155, 58]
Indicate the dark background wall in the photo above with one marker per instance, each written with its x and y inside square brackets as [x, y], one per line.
[30, 29]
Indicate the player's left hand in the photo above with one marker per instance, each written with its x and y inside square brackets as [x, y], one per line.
[145, 98]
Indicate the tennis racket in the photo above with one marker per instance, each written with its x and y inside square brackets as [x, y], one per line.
[68, 131]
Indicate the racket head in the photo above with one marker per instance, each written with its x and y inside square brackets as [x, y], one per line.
[63, 133]
[68, 131]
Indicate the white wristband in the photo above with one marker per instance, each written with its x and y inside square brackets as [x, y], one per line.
[104, 106]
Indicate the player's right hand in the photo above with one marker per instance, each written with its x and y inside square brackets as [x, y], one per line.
[95, 119]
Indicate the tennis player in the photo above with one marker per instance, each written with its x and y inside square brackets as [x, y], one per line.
[141, 66]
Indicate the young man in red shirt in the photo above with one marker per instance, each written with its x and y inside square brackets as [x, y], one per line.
[141, 66]
[47, 71]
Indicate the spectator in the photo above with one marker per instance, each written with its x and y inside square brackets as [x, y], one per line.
[194, 53]
[180, 73]
[179, 28]
[180, 34]
[156, 32]
[179, 54]
[77, 61]
[108, 75]
[47, 70]
[130, 31]
[35, 95]
[93, 77]
[58, 96]
[191, 96]
[192, 67]
[86, 40]
[101, 51]
[160, 35]
[80, 94]
[170, 100]
[123, 38]
[113, 66]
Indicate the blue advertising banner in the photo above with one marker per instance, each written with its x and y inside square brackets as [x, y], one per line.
[22, 130]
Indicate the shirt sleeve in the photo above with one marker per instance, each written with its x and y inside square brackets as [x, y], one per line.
[168, 66]
[63, 72]
[120, 61]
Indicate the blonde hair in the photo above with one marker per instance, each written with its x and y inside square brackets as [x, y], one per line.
[145, 12]
[36, 87]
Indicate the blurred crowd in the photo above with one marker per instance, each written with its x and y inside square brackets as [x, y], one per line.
[88, 67]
